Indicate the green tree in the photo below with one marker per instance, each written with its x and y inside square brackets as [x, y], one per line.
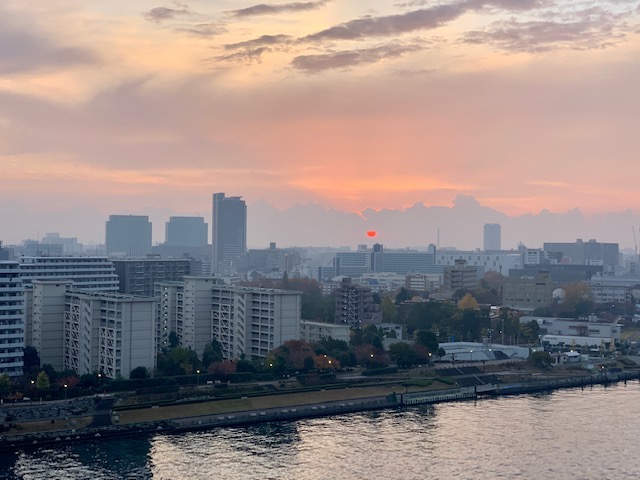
[31, 359]
[139, 372]
[42, 381]
[174, 340]
[5, 384]
[212, 353]
[540, 360]
[427, 339]
[403, 354]
[389, 310]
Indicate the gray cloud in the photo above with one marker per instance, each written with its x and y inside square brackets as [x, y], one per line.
[160, 14]
[248, 55]
[202, 29]
[589, 29]
[350, 58]
[271, 9]
[264, 40]
[390, 25]
[23, 50]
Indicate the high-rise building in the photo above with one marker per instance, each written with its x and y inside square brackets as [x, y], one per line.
[129, 235]
[109, 333]
[228, 229]
[47, 320]
[12, 310]
[186, 232]
[137, 276]
[246, 321]
[492, 237]
[355, 305]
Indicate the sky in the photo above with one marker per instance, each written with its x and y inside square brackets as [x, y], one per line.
[149, 107]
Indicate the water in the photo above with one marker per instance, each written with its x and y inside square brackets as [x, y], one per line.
[581, 434]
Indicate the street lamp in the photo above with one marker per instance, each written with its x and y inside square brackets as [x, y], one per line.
[197, 377]
[65, 391]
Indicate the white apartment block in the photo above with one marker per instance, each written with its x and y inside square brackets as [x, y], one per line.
[251, 322]
[96, 274]
[109, 333]
[311, 331]
[169, 311]
[246, 321]
[12, 307]
[48, 300]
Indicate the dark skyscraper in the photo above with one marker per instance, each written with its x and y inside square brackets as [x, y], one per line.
[186, 232]
[128, 234]
[492, 234]
[228, 229]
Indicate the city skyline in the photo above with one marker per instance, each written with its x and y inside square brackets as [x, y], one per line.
[148, 107]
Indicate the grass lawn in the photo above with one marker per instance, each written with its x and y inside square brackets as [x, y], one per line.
[46, 426]
[273, 401]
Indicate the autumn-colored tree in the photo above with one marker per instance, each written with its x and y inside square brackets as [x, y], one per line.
[468, 302]
[69, 381]
[325, 362]
[225, 366]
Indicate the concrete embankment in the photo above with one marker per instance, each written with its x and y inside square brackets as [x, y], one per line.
[37, 440]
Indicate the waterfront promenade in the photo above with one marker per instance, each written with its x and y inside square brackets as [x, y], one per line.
[167, 423]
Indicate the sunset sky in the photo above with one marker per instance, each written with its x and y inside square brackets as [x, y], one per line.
[150, 107]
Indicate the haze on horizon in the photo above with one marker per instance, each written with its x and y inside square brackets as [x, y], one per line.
[149, 107]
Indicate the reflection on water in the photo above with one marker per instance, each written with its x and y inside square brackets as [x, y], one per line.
[576, 433]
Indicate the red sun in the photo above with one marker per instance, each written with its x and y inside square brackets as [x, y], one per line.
[372, 233]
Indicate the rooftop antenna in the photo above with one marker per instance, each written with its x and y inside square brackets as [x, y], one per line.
[438, 240]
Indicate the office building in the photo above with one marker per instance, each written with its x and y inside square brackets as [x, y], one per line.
[128, 235]
[186, 232]
[228, 230]
[528, 293]
[585, 253]
[459, 276]
[492, 237]
[108, 333]
[70, 246]
[95, 274]
[12, 311]
[138, 276]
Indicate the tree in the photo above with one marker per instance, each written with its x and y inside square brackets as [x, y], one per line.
[389, 310]
[468, 302]
[402, 296]
[174, 340]
[42, 381]
[540, 360]
[403, 354]
[5, 384]
[139, 372]
[308, 364]
[225, 367]
[31, 359]
[427, 339]
[212, 353]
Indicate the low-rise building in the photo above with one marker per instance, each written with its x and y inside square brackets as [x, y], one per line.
[311, 331]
